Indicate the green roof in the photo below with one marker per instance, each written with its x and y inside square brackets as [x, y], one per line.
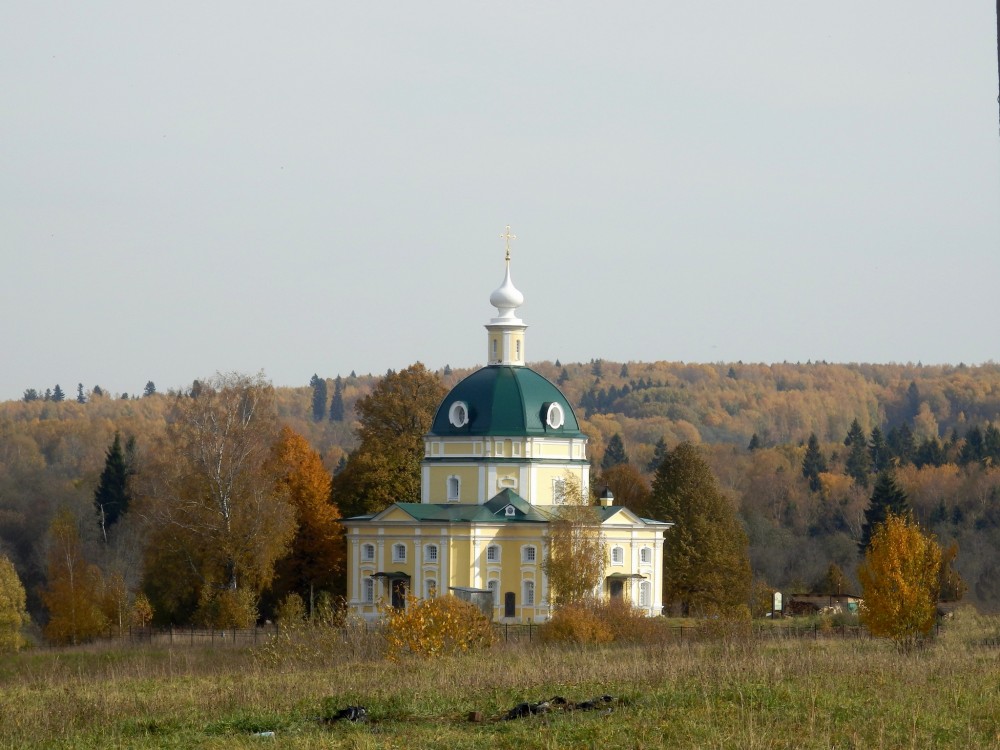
[506, 401]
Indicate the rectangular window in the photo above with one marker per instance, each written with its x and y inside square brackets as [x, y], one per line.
[454, 488]
[367, 552]
[399, 553]
[368, 590]
[646, 555]
[432, 553]
[617, 556]
[529, 593]
[644, 591]
[492, 553]
[528, 554]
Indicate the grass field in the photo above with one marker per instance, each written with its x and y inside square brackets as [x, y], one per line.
[796, 693]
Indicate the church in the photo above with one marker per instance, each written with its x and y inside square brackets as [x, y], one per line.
[503, 446]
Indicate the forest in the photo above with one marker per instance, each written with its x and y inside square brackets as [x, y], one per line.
[796, 448]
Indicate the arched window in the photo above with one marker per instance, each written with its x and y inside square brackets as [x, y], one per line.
[430, 588]
[529, 594]
[646, 555]
[617, 556]
[454, 488]
[399, 553]
[431, 553]
[494, 587]
[368, 590]
[493, 553]
[645, 589]
[367, 552]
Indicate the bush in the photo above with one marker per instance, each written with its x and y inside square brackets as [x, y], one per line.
[577, 623]
[727, 623]
[434, 627]
[227, 608]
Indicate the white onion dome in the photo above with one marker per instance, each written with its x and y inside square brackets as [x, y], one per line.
[506, 299]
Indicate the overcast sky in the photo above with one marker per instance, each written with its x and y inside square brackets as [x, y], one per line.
[188, 188]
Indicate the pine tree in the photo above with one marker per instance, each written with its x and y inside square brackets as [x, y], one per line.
[814, 463]
[972, 450]
[887, 498]
[97, 391]
[991, 445]
[623, 373]
[615, 453]
[659, 453]
[912, 401]
[80, 397]
[337, 402]
[563, 376]
[858, 464]
[755, 443]
[930, 453]
[318, 385]
[30, 394]
[150, 388]
[113, 495]
[57, 394]
[901, 444]
[706, 563]
[878, 451]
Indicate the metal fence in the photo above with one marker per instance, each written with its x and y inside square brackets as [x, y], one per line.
[191, 636]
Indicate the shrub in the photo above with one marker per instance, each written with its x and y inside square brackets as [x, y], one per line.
[227, 608]
[434, 627]
[577, 623]
[727, 623]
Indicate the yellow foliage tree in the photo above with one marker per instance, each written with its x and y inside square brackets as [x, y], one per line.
[315, 561]
[576, 554]
[13, 615]
[899, 581]
[75, 590]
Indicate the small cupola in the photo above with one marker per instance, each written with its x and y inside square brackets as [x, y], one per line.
[606, 498]
[505, 338]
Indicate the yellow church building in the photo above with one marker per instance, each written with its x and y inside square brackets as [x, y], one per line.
[502, 446]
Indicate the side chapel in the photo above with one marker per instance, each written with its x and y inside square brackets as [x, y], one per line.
[496, 461]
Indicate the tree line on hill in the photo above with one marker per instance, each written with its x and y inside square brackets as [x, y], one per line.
[800, 502]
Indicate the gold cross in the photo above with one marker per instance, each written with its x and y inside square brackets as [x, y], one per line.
[508, 237]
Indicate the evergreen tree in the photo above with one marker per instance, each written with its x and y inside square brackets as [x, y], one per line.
[912, 401]
[447, 370]
[624, 371]
[887, 497]
[97, 391]
[930, 453]
[112, 496]
[706, 563]
[558, 363]
[596, 368]
[858, 464]
[337, 402]
[563, 376]
[30, 394]
[659, 453]
[80, 398]
[814, 463]
[972, 450]
[991, 445]
[150, 388]
[901, 443]
[615, 453]
[57, 394]
[754, 443]
[878, 450]
[319, 396]
[48, 395]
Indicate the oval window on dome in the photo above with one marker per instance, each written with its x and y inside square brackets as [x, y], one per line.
[554, 416]
[458, 414]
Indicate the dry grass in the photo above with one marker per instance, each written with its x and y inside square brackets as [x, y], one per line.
[794, 693]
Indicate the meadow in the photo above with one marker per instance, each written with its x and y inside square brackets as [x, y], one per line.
[824, 692]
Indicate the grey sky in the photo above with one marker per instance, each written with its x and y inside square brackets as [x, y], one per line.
[319, 187]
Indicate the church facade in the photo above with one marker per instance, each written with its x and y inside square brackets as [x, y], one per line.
[504, 445]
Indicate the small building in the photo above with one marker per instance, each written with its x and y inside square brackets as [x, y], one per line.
[502, 447]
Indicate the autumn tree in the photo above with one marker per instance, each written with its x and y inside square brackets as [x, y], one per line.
[628, 486]
[814, 463]
[113, 494]
[951, 587]
[217, 521]
[394, 417]
[13, 615]
[899, 581]
[887, 498]
[74, 588]
[706, 563]
[315, 561]
[576, 554]
[318, 385]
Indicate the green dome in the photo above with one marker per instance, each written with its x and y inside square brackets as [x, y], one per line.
[503, 400]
